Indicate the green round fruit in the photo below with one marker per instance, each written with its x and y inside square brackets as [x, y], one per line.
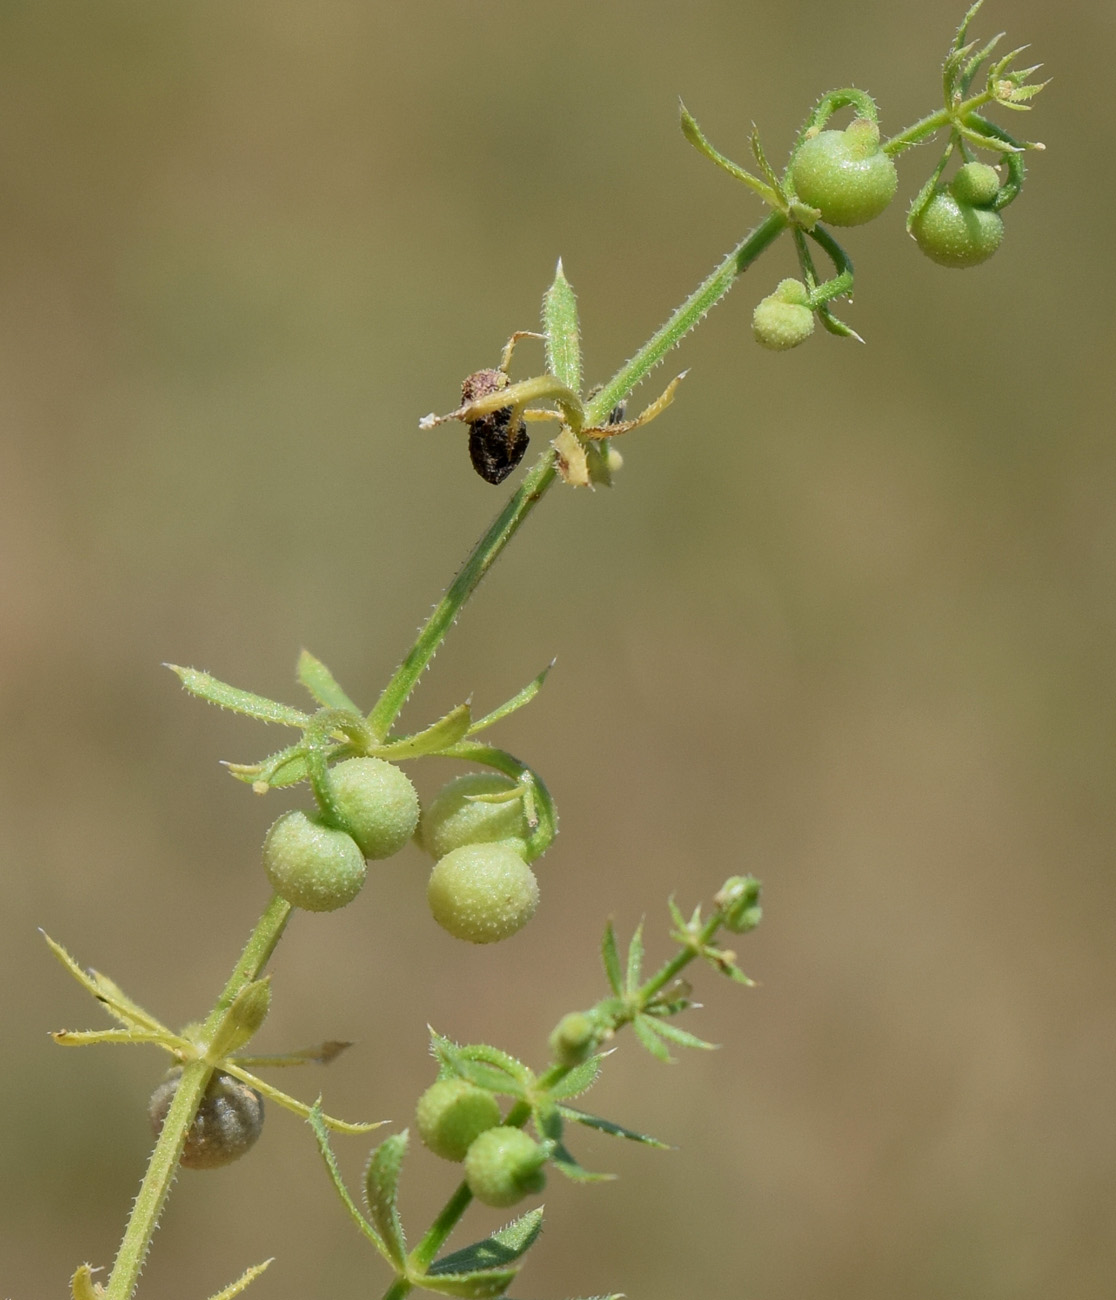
[956, 234]
[228, 1122]
[503, 1166]
[976, 184]
[457, 817]
[312, 865]
[452, 1114]
[378, 804]
[845, 174]
[781, 325]
[483, 892]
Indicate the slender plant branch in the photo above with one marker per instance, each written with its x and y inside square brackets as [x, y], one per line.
[163, 1165]
[542, 475]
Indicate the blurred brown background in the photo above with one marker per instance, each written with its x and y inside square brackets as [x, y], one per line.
[847, 621]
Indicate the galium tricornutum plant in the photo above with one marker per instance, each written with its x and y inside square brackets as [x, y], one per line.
[503, 1122]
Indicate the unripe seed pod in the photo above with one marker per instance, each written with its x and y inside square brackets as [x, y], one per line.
[378, 804]
[483, 892]
[574, 1039]
[312, 865]
[782, 320]
[228, 1122]
[976, 183]
[452, 1114]
[503, 1166]
[457, 817]
[845, 174]
[956, 234]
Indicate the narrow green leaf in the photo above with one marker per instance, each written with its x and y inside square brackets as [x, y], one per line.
[482, 1064]
[580, 1079]
[501, 1249]
[613, 1130]
[214, 691]
[548, 1121]
[681, 1036]
[635, 961]
[242, 1282]
[471, 1286]
[693, 134]
[107, 992]
[322, 684]
[517, 701]
[646, 1030]
[611, 959]
[569, 1168]
[285, 767]
[321, 1133]
[82, 1286]
[381, 1191]
[563, 337]
[435, 739]
[243, 1019]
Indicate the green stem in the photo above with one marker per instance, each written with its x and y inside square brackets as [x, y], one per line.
[540, 478]
[926, 126]
[709, 292]
[163, 1165]
[438, 1233]
[484, 555]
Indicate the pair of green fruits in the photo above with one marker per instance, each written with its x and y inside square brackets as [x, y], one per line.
[481, 889]
[461, 1122]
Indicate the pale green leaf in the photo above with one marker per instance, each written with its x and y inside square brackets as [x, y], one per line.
[381, 1192]
[214, 691]
[437, 738]
[322, 684]
[610, 956]
[242, 1282]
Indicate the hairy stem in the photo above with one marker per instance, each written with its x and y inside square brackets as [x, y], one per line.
[540, 478]
[163, 1165]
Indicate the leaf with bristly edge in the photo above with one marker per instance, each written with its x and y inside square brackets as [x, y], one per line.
[213, 691]
[317, 1123]
[613, 1130]
[502, 1248]
[322, 684]
[381, 1192]
[610, 957]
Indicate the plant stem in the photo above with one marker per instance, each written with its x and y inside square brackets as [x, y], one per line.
[709, 292]
[541, 476]
[163, 1165]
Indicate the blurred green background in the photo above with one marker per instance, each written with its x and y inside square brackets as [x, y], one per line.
[846, 621]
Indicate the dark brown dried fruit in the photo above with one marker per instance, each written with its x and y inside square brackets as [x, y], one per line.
[495, 446]
[227, 1124]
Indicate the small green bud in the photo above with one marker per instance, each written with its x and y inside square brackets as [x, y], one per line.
[452, 1114]
[312, 865]
[574, 1039]
[243, 1019]
[483, 892]
[228, 1122]
[457, 816]
[378, 804]
[503, 1166]
[738, 900]
[976, 184]
[782, 320]
[845, 174]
